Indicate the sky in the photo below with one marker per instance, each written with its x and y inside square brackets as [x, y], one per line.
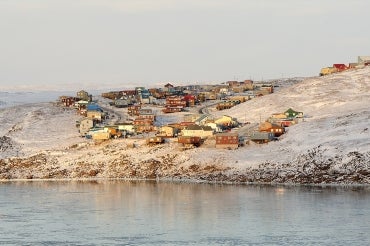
[83, 44]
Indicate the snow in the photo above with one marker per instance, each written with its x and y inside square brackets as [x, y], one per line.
[335, 132]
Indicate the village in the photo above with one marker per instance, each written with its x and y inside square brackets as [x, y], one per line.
[184, 114]
[190, 115]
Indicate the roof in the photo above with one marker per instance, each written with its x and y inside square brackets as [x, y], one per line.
[199, 128]
[227, 134]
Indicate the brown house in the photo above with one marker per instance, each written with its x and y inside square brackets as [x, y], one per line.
[227, 140]
[269, 127]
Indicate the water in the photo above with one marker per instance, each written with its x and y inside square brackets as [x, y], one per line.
[150, 213]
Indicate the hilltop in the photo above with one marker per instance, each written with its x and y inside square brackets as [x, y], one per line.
[332, 145]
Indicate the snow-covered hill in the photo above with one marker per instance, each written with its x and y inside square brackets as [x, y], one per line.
[332, 145]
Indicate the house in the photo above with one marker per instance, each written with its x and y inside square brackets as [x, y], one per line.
[202, 119]
[340, 67]
[95, 115]
[214, 126]
[228, 141]
[143, 125]
[85, 125]
[83, 95]
[262, 137]
[278, 130]
[290, 113]
[248, 84]
[190, 100]
[168, 88]
[147, 114]
[197, 131]
[168, 131]
[225, 105]
[191, 117]
[133, 110]
[121, 103]
[68, 101]
[126, 128]
[278, 116]
[227, 121]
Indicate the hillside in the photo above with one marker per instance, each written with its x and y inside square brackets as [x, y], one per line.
[332, 145]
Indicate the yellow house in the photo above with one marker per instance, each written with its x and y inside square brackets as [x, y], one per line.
[226, 120]
[278, 116]
[168, 131]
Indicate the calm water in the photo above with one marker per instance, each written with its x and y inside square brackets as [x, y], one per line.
[149, 213]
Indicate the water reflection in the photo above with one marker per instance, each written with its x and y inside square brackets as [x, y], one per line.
[138, 212]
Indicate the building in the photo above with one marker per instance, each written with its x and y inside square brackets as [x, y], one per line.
[290, 113]
[85, 125]
[197, 131]
[228, 140]
[227, 121]
[168, 131]
[278, 130]
[83, 95]
[262, 137]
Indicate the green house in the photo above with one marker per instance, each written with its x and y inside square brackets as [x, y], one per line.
[290, 113]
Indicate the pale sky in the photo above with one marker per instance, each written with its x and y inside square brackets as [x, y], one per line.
[120, 43]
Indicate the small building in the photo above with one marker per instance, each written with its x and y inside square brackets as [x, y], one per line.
[191, 117]
[199, 131]
[189, 141]
[83, 95]
[203, 119]
[278, 130]
[278, 116]
[85, 125]
[143, 125]
[168, 87]
[126, 128]
[68, 101]
[290, 113]
[225, 105]
[93, 107]
[133, 110]
[228, 141]
[214, 126]
[340, 67]
[262, 137]
[227, 121]
[100, 135]
[168, 131]
[154, 140]
[147, 115]
[95, 115]
[122, 103]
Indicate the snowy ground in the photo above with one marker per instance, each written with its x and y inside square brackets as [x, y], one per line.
[332, 145]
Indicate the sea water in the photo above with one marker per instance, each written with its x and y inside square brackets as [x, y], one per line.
[167, 213]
